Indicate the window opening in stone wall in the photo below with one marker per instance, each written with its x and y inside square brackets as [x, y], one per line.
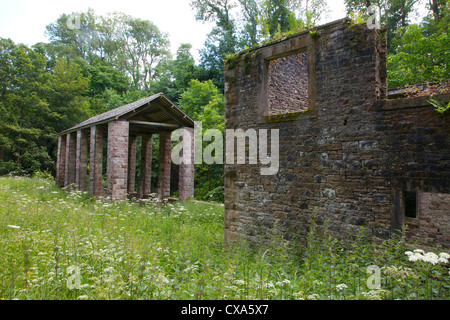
[288, 84]
[410, 204]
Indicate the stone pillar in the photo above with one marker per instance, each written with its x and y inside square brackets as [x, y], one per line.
[165, 144]
[96, 162]
[61, 161]
[117, 161]
[81, 161]
[69, 171]
[186, 172]
[132, 163]
[146, 166]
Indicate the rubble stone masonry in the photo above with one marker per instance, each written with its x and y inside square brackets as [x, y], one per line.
[349, 156]
[117, 159]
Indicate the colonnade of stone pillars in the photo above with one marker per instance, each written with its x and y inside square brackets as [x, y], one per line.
[72, 162]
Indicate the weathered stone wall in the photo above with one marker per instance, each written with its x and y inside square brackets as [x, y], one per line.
[163, 185]
[61, 161]
[340, 160]
[96, 161]
[415, 144]
[117, 159]
[433, 222]
[81, 180]
[69, 171]
[288, 84]
[186, 171]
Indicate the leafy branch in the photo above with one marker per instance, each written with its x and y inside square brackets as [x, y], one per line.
[440, 106]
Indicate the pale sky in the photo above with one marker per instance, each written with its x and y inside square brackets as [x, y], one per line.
[24, 21]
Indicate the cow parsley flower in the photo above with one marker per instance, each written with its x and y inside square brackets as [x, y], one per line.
[430, 257]
[341, 287]
[415, 257]
[442, 260]
[445, 256]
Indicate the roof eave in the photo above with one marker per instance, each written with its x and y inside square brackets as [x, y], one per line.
[118, 116]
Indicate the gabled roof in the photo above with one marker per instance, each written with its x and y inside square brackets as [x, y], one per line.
[153, 109]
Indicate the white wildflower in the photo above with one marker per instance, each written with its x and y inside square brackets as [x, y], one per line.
[341, 287]
[298, 295]
[109, 269]
[442, 260]
[83, 297]
[431, 258]
[415, 257]
[12, 226]
[444, 255]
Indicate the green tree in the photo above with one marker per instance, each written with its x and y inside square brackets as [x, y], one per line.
[197, 96]
[71, 40]
[277, 17]
[131, 45]
[438, 20]
[438, 8]
[102, 76]
[145, 46]
[24, 134]
[395, 14]
[222, 40]
[204, 102]
[67, 94]
[172, 76]
[419, 58]
[421, 51]
[249, 36]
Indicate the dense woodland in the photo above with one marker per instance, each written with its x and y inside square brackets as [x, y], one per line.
[108, 61]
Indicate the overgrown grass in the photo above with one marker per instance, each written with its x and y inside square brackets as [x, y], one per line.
[49, 238]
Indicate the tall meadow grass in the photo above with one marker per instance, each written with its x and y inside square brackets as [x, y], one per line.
[56, 244]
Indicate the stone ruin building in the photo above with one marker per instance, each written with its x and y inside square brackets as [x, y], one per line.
[348, 152]
[119, 129]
